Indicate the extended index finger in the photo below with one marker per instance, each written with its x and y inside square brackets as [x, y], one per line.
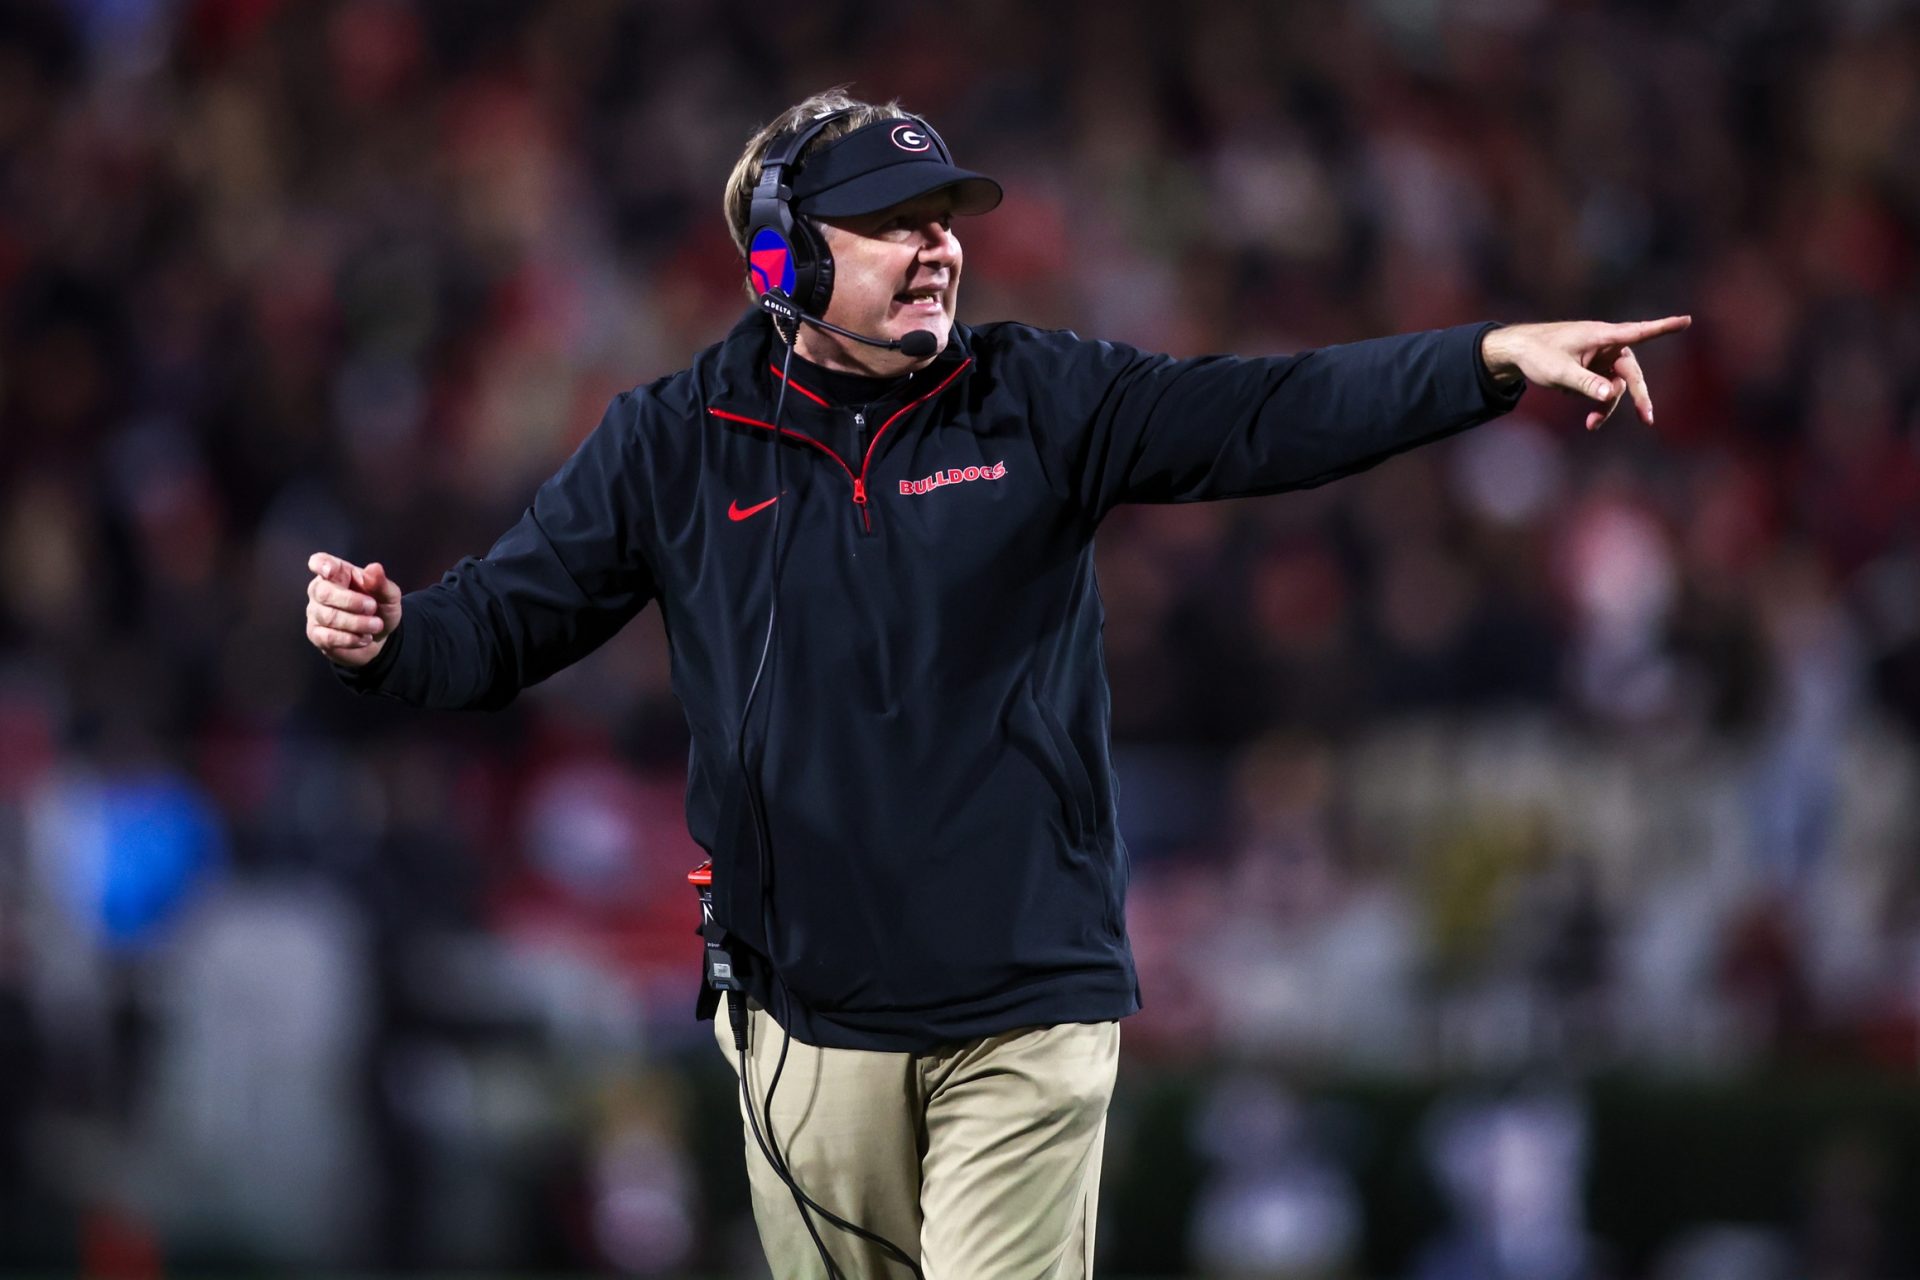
[1643, 330]
[332, 568]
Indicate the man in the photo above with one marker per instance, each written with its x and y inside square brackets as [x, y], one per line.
[900, 759]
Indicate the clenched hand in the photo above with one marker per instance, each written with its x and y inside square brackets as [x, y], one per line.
[350, 611]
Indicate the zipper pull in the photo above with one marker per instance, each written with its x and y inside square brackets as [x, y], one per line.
[859, 419]
[859, 491]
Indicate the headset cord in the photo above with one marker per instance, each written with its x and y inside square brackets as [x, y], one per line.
[737, 1000]
[769, 1147]
[737, 1014]
[854, 1228]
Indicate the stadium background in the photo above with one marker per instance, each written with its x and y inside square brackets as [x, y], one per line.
[1524, 832]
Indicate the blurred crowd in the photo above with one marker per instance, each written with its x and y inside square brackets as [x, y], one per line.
[1534, 751]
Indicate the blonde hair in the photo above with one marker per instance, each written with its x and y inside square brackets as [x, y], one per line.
[746, 170]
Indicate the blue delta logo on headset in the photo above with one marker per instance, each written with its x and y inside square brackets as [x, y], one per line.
[770, 260]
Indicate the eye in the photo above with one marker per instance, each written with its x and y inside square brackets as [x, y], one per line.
[907, 223]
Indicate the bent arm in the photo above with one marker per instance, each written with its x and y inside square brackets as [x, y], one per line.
[553, 589]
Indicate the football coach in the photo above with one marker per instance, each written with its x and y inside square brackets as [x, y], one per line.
[869, 530]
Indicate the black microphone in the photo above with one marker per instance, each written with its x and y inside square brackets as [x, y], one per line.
[917, 345]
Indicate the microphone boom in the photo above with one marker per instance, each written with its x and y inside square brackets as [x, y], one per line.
[917, 345]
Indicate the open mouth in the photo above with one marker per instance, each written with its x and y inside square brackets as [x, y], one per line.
[923, 301]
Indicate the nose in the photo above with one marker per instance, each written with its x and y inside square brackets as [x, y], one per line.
[938, 244]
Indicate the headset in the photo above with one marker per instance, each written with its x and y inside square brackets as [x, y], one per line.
[785, 250]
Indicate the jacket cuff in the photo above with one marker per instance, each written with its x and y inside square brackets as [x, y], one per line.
[368, 679]
[1502, 397]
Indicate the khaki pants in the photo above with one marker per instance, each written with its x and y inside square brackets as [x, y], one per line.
[983, 1156]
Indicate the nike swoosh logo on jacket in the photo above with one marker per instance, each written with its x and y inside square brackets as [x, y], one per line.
[737, 513]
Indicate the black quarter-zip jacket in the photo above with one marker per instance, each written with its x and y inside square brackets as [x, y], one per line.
[931, 735]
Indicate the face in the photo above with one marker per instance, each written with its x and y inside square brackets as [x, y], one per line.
[893, 272]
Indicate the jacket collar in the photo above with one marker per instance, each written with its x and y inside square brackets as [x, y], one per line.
[749, 354]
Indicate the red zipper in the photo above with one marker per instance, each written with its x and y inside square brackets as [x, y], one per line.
[860, 480]
[860, 484]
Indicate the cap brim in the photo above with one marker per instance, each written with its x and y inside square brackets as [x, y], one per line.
[883, 188]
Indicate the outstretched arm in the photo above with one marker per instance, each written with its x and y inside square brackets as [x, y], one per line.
[1131, 426]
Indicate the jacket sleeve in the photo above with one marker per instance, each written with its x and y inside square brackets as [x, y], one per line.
[553, 589]
[1138, 427]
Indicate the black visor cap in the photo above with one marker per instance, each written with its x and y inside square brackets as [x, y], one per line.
[881, 165]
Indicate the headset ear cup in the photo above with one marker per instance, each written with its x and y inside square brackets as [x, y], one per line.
[823, 282]
[813, 266]
[768, 231]
[770, 211]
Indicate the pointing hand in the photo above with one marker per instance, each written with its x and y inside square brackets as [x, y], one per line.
[1586, 357]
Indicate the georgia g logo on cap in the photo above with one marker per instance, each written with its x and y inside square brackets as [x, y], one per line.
[910, 137]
